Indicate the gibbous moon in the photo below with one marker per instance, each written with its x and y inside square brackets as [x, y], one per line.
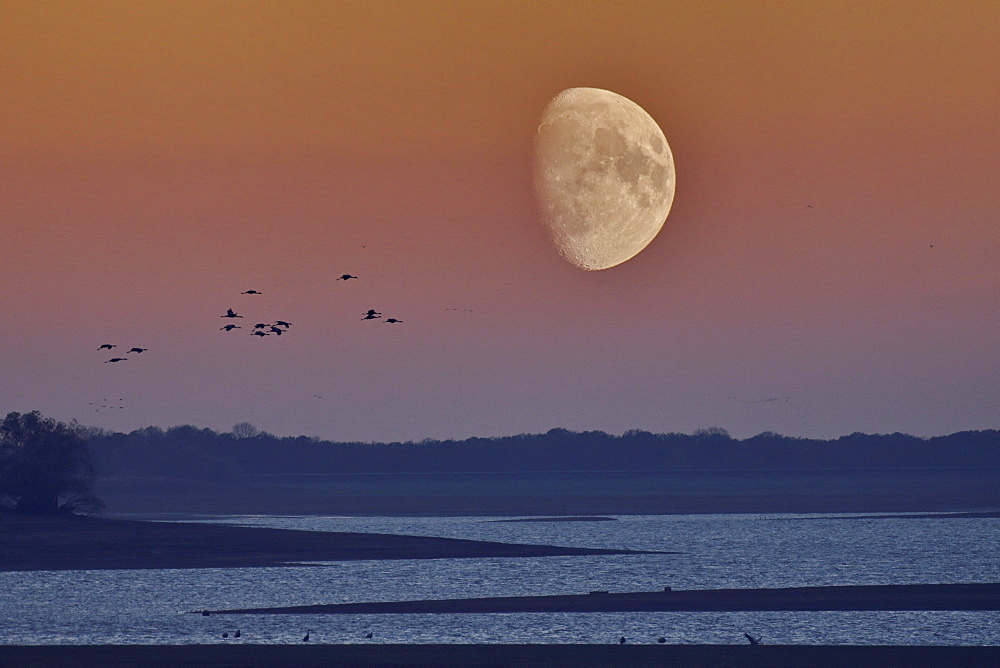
[604, 176]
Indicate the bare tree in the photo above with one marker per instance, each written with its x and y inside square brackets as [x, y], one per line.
[45, 466]
[245, 430]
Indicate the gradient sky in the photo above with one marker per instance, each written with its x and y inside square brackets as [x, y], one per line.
[160, 158]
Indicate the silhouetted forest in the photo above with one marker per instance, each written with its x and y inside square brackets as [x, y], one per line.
[188, 452]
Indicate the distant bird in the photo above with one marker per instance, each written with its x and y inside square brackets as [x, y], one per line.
[138, 350]
[661, 640]
[282, 323]
[392, 320]
[117, 359]
[809, 206]
[237, 634]
[261, 325]
[230, 313]
[346, 277]
[225, 634]
[621, 641]
[306, 637]
[369, 635]
[107, 346]
[231, 327]
[372, 314]
[260, 333]
[277, 330]
[251, 292]
[205, 613]
[753, 641]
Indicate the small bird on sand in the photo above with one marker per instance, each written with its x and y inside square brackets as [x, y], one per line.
[621, 641]
[231, 327]
[369, 635]
[107, 346]
[753, 641]
[237, 634]
[230, 313]
[225, 634]
[306, 637]
[661, 640]
[117, 359]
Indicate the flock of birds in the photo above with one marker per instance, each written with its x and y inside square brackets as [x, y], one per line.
[280, 327]
[260, 329]
[753, 640]
[238, 633]
[111, 346]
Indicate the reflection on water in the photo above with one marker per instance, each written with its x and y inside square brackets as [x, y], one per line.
[717, 551]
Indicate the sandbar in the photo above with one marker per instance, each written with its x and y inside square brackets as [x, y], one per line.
[980, 596]
[84, 543]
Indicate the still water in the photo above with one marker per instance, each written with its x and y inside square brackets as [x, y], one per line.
[716, 551]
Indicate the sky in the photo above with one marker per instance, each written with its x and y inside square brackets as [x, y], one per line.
[829, 265]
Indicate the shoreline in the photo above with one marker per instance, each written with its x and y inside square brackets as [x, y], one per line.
[631, 655]
[85, 543]
[939, 597]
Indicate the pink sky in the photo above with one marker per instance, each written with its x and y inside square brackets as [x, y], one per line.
[159, 159]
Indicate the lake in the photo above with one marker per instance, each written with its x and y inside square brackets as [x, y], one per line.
[716, 551]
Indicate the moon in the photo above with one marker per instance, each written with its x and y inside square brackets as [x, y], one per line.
[603, 175]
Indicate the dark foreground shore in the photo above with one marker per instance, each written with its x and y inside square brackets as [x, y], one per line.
[496, 655]
[82, 543]
[984, 596]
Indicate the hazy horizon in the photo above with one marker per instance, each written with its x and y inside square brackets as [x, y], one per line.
[829, 265]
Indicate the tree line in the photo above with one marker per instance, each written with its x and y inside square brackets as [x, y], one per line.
[191, 452]
[50, 467]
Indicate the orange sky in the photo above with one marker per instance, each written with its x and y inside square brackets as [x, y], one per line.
[160, 158]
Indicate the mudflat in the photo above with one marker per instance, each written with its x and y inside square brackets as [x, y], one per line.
[632, 655]
[84, 543]
[984, 596]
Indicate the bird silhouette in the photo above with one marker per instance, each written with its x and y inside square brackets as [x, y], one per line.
[138, 350]
[391, 320]
[260, 333]
[369, 635]
[205, 613]
[346, 277]
[231, 327]
[753, 641]
[230, 313]
[117, 359]
[107, 346]
[251, 292]
[261, 325]
[282, 323]
[277, 330]
[237, 634]
[305, 638]
[621, 641]
[225, 634]
[661, 640]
